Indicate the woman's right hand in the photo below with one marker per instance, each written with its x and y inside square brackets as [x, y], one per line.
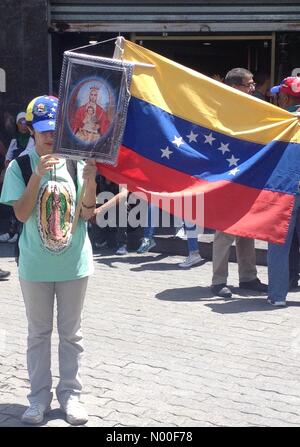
[46, 163]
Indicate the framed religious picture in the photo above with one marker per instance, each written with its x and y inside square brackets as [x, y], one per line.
[93, 99]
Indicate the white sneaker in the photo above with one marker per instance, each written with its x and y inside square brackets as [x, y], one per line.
[180, 233]
[276, 303]
[13, 239]
[4, 237]
[75, 412]
[35, 413]
[122, 250]
[192, 259]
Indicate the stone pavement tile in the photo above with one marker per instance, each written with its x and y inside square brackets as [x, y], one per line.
[118, 418]
[161, 350]
[99, 419]
[127, 393]
[166, 418]
[262, 412]
[125, 407]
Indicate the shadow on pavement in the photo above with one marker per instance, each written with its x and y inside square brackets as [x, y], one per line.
[186, 294]
[246, 305]
[10, 416]
[227, 305]
[139, 259]
[163, 266]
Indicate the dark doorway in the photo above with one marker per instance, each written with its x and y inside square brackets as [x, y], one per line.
[214, 55]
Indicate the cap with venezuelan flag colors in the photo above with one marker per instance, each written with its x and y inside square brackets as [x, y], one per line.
[41, 113]
[289, 86]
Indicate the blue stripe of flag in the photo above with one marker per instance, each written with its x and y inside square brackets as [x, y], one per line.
[207, 154]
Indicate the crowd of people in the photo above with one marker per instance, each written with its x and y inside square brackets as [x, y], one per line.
[55, 257]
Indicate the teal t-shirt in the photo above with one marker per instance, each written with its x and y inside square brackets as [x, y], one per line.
[48, 250]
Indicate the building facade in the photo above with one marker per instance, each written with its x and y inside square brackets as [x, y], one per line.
[209, 36]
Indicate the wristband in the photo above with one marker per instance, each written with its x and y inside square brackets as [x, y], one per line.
[89, 207]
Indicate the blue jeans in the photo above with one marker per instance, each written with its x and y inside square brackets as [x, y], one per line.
[192, 241]
[278, 259]
[153, 221]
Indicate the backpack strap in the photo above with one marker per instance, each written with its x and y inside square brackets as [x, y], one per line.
[25, 167]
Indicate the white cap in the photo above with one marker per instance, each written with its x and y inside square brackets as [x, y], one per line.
[20, 116]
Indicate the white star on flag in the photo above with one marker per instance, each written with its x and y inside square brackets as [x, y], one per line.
[50, 115]
[234, 171]
[178, 141]
[192, 136]
[209, 139]
[224, 148]
[51, 123]
[53, 109]
[232, 160]
[166, 153]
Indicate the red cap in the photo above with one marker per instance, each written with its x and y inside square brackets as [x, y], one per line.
[289, 86]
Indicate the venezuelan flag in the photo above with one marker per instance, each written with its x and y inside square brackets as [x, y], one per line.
[188, 134]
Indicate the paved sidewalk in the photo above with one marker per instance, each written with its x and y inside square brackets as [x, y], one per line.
[162, 351]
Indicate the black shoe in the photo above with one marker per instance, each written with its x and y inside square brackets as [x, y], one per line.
[221, 290]
[4, 274]
[293, 284]
[102, 244]
[255, 285]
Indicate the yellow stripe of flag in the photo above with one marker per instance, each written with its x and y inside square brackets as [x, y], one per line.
[201, 100]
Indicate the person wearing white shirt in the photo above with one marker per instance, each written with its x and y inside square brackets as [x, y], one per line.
[22, 143]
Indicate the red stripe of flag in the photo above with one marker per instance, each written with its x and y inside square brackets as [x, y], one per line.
[228, 207]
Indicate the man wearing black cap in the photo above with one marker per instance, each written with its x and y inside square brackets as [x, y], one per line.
[278, 255]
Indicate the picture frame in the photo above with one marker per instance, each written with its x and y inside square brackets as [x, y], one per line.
[94, 94]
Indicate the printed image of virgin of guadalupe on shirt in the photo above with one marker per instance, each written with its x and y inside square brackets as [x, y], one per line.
[56, 209]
